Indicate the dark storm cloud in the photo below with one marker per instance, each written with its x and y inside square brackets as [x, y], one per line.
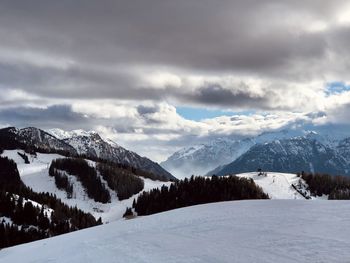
[105, 40]
[60, 116]
[206, 34]
[142, 110]
[213, 94]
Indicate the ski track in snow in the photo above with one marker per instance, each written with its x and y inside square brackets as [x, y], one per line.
[238, 231]
[36, 176]
[279, 185]
[276, 185]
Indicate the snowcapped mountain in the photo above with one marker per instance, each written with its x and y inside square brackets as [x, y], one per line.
[90, 143]
[200, 159]
[237, 231]
[78, 142]
[290, 155]
[344, 149]
[35, 175]
[34, 138]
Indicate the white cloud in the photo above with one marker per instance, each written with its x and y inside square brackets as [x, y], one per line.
[104, 109]
[343, 15]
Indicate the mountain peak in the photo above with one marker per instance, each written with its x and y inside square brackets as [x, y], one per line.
[62, 134]
[90, 143]
[78, 143]
[290, 155]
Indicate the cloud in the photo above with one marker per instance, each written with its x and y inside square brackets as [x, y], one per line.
[122, 67]
[104, 47]
[144, 110]
[54, 116]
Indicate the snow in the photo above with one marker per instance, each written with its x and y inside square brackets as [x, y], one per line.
[62, 134]
[238, 231]
[276, 185]
[35, 175]
[202, 158]
[189, 151]
[46, 210]
[6, 220]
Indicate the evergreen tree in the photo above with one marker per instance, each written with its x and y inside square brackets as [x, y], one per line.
[196, 190]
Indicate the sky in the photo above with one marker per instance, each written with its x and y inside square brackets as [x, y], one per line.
[159, 75]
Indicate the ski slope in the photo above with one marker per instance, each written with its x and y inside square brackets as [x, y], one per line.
[238, 231]
[278, 185]
[36, 176]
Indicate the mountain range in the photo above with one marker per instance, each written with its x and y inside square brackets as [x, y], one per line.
[281, 151]
[77, 143]
[292, 155]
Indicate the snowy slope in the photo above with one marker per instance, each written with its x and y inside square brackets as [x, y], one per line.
[278, 185]
[35, 175]
[240, 231]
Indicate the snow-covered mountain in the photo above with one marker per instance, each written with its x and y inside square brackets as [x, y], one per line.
[293, 155]
[35, 175]
[343, 148]
[237, 231]
[33, 138]
[199, 159]
[204, 158]
[90, 143]
[78, 142]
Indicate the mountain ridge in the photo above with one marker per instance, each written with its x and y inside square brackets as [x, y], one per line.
[290, 155]
[82, 143]
[210, 158]
[90, 143]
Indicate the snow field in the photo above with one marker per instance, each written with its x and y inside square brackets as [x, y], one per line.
[237, 231]
[276, 185]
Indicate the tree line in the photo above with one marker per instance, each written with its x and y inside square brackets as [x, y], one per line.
[128, 168]
[32, 222]
[336, 187]
[194, 191]
[122, 181]
[62, 182]
[86, 174]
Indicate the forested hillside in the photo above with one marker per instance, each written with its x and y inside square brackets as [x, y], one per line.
[26, 215]
[336, 187]
[194, 191]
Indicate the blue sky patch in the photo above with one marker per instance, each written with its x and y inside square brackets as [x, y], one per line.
[197, 114]
[336, 87]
